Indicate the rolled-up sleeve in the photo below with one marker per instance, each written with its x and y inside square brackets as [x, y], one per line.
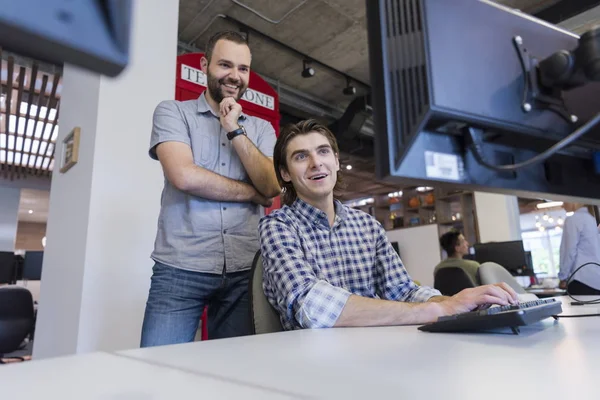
[168, 125]
[290, 283]
[392, 279]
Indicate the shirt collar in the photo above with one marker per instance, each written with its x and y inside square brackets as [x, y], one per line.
[204, 107]
[318, 216]
[582, 209]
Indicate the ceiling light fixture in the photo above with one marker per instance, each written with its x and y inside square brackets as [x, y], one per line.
[349, 90]
[549, 204]
[30, 211]
[348, 167]
[307, 71]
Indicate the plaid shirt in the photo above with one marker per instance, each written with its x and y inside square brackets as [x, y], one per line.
[310, 268]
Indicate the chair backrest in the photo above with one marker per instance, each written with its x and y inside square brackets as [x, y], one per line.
[16, 317]
[451, 280]
[490, 273]
[264, 318]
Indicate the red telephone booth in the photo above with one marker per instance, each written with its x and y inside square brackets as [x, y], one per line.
[259, 100]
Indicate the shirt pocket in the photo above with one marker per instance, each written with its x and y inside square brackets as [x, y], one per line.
[205, 150]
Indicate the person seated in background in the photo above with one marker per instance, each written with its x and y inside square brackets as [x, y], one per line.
[328, 265]
[456, 247]
[579, 245]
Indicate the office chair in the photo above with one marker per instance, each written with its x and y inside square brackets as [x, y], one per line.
[263, 316]
[16, 318]
[451, 280]
[490, 273]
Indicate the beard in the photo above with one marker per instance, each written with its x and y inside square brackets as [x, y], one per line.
[215, 88]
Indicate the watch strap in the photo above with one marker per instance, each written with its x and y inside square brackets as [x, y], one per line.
[237, 132]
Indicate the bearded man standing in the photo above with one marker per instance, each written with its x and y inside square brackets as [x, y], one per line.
[219, 173]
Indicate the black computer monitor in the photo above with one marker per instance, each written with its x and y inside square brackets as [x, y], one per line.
[459, 89]
[32, 265]
[7, 267]
[90, 34]
[396, 247]
[511, 255]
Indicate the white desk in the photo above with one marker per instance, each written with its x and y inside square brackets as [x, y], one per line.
[548, 360]
[108, 376]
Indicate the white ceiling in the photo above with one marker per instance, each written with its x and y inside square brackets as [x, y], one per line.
[37, 201]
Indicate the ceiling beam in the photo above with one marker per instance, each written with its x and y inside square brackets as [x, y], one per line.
[565, 9]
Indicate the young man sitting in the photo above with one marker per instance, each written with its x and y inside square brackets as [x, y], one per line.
[456, 246]
[327, 265]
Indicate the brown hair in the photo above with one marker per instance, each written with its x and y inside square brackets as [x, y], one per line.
[232, 36]
[449, 241]
[280, 154]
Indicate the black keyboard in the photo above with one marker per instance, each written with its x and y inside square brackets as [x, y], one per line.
[511, 316]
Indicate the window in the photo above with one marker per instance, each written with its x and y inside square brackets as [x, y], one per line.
[545, 248]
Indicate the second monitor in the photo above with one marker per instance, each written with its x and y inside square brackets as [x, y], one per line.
[32, 265]
[511, 255]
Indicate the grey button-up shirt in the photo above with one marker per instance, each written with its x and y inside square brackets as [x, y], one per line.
[194, 233]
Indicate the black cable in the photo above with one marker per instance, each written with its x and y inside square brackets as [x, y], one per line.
[478, 153]
[570, 278]
[576, 316]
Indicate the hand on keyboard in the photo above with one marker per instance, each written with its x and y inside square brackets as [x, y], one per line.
[469, 299]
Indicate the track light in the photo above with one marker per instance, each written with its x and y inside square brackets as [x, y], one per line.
[307, 71]
[349, 90]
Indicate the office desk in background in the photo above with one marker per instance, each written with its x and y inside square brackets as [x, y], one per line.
[546, 292]
[550, 359]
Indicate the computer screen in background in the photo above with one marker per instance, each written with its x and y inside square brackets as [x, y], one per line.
[7, 267]
[32, 265]
[511, 255]
[395, 246]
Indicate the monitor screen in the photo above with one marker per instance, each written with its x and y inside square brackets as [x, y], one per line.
[32, 265]
[510, 255]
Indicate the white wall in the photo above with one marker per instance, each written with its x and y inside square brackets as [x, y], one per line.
[497, 217]
[103, 212]
[57, 327]
[420, 251]
[9, 214]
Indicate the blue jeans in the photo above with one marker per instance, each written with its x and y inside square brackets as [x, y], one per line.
[176, 302]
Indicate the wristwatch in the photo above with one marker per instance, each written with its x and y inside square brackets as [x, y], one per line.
[239, 131]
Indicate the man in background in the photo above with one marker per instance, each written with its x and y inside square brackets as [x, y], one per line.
[580, 244]
[456, 247]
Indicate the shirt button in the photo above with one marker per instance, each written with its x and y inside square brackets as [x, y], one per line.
[223, 144]
[223, 164]
[224, 208]
[225, 231]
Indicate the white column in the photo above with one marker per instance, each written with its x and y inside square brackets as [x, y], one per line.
[497, 217]
[104, 210]
[9, 215]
